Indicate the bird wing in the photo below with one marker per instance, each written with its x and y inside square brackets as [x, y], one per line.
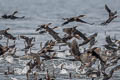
[66, 22]
[38, 29]
[80, 20]
[75, 48]
[107, 9]
[76, 32]
[109, 41]
[97, 56]
[9, 36]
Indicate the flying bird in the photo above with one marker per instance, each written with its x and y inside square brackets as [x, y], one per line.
[12, 16]
[112, 15]
[75, 19]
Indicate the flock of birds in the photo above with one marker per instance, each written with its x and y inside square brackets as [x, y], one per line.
[95, 62]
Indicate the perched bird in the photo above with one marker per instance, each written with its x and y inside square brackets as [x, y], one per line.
[112, 15]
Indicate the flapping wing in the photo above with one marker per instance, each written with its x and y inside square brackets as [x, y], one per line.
[9, 36]
[76, 32]
[66, 22]
[109, 41]
[107, 9]
[75, 48]
[80, 20]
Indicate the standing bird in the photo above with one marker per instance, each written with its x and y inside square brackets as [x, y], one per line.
[112, 15]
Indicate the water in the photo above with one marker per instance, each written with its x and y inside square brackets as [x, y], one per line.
[38, 12]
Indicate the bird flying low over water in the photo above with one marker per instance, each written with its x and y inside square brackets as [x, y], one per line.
[6, 34]
[112, 15]
[108, 76]
[27, 39]
[12, 16]
[109, 41]
[40, 27]
[75, 33]
[88, 39]
[76, 19]
[51, 32]
[93, 51]
[3, 49]
[75, 48]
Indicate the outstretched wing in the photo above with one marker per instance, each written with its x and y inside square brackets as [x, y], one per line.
[109, 41]
[107, 9]
[76, 32]
[75, 48]
[97, 55]
[9, 36]
[80, 20]
[66, 22]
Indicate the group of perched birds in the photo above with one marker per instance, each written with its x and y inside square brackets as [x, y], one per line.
[107, 57]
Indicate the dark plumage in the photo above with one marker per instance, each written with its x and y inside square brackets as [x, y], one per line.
[51, 32]
[110, 48]
[47, 47]
[27, 39]
[3, 49]
[12, 16]
[75, 48]
[88, 39]
[109, 41]
[72, 19]
[40, 27]
[75, 33]
[7, 35]
[94, 53]
[108, 76]
[112, 15]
